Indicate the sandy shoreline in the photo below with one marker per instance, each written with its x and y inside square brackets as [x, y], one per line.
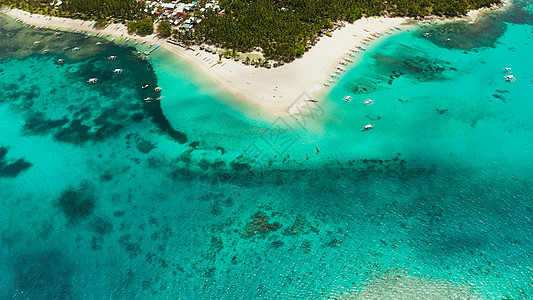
[279, 91]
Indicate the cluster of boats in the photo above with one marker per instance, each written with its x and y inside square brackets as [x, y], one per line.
[345, 61]
[509, 77]
[366, 102]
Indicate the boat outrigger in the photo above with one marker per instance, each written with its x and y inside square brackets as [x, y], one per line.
[369, 101]
[117, 71]
[347, 99]
[112, 57]
[368, 127]
[158, 89]
[92, 80]
[507, 70]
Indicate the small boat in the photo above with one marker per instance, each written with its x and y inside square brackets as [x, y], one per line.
[348, 60]
[341, 68]
[158, 89]
[159, 98]
[447, 40]
[36, 42]
[136, 43]
[113, 39]
[426, 34]
[369, 101]
[127, 40]
[347, 99]
[507, 70]
[152, 44]
[368, 127]
[75, 49]
[112, 57]
[312, 100]
[148, 99]
[46, 51]
[144, 42]
[66, 48]
[60, 61]
[99, 43]
[510, 78]
[144, 86]
[326, 84]
[92, 80]
[117, 71]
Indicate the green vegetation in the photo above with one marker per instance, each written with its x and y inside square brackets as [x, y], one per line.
[281, 29]
[164, 29]
[143, 26]
[284, 29]
[82, 9]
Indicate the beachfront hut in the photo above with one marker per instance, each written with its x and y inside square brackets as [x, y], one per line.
[168, 6]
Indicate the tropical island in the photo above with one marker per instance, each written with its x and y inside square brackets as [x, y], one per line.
[295, 45]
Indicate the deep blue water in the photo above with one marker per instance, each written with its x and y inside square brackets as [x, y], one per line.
[198, 197]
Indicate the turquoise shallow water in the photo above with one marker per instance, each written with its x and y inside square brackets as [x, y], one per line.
[199, 197]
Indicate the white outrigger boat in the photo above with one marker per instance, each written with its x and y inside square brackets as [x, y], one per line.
[510, 78]
[158, 89]
[368, 127]
[347, 99]
[117, 71]
[112, 57]
[369, 101]
[507, 70]
[93, 80]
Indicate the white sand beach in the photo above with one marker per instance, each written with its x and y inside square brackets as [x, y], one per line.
[274, 90]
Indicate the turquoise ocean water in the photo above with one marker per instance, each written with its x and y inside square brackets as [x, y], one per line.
[199, 196]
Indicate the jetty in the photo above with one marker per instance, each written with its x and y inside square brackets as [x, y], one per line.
[144, 55]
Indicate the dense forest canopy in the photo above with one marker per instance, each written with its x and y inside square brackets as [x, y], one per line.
[83, 9]
[283, 29]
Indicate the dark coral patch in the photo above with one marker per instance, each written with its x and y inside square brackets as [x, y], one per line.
[44, 275]
[260, 225]
[76, 204]
[12, 169]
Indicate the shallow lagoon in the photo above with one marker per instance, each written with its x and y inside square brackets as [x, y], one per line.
[102, 198]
